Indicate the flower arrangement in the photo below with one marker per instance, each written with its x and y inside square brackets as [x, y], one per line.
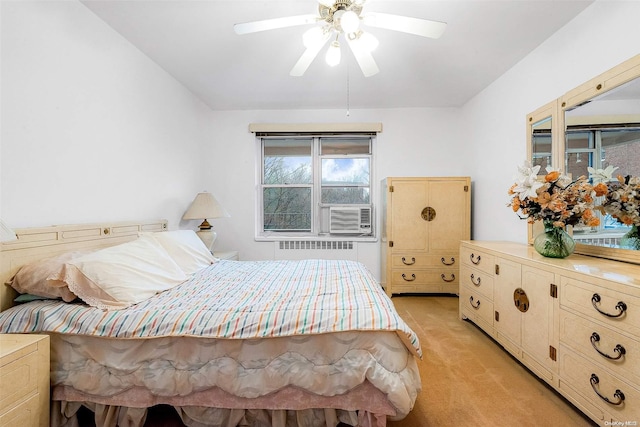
[622, 200]
[556, 200]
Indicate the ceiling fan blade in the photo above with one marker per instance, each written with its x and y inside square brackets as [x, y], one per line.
[364, 58]
[405, 24]
[307, 57]
[272, 24]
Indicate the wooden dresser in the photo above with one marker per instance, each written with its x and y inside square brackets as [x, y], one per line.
[424, 220]
[24, 380]
[574, 322]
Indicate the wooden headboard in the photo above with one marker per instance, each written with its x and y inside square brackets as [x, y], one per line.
[37, 243]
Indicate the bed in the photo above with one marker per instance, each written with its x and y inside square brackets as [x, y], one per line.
[226, 343]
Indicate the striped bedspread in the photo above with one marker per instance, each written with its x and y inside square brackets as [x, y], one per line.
[235, 300]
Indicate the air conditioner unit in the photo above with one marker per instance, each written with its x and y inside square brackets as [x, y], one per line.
[350, 219]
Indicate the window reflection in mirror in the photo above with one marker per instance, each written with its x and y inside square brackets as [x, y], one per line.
[541, 144]
[604, 131]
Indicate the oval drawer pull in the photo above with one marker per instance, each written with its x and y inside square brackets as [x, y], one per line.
[404, 261]
[621, 306]
[619, 395]
[477, 305]
[453, 261]
[453, 277]
[413, 277]
[475, 282]
[476, 261]
[618, 348]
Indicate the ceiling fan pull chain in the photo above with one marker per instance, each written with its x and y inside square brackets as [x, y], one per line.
[348, 113]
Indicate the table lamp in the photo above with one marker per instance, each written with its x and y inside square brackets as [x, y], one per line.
[204, 207]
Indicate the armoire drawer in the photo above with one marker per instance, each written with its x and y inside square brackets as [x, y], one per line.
[412, 276]
[446, 260]
[618, 311]
[599, 387]
[481, 260]
[602, 345]
[477, 279]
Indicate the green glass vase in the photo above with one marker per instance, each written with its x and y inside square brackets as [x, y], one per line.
[554, 242]
[631, 240]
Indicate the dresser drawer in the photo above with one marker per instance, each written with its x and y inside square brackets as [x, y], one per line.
[24, 379]
[476, 306]
[412, 276]
[474, 278]
[589, 380]
[25, 414]
[22, 375]
[617, 310]
[591, 339]
[481, 260]
[447, 260]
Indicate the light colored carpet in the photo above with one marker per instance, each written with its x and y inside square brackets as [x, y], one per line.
[469, 380]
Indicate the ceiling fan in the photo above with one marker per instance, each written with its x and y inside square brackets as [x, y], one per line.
[342, 18]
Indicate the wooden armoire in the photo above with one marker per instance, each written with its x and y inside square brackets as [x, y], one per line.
[424, 220]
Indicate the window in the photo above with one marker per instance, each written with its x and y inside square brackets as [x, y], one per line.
[302, 177]
[598, 147]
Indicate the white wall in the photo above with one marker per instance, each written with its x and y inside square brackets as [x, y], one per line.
[604, 35]
[92, 129]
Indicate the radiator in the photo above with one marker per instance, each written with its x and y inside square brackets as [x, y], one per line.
[598, 241]
[314, 249]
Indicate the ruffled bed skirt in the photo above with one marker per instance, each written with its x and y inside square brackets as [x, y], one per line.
[364, 406]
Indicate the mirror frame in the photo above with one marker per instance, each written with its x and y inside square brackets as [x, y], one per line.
[611, 79]
[552, 111]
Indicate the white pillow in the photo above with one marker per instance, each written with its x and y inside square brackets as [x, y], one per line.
[120, 276]
[184, 247]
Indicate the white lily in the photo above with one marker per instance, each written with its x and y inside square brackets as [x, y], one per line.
[601, 175]
[526, 170]
[527, 186]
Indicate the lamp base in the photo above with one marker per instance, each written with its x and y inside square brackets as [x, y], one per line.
[208, 237]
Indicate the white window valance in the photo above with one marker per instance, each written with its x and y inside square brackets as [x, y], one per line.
[307, 128]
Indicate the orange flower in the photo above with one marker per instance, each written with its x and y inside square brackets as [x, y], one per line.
[515, 204]
[601, 189]
[552, 176]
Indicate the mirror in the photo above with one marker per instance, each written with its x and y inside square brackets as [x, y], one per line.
[601, 127]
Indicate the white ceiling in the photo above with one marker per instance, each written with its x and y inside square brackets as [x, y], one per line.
[194, 41]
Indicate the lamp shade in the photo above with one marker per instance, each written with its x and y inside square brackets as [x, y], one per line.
[6, 233]
[205, 206]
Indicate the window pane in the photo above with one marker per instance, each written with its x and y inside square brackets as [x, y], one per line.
[287, 161]
[541, 140]
[287, 209]
[345, 195]
[345, 146]
[577, 140]
[345, 171]
[576, 163]
[620, 148]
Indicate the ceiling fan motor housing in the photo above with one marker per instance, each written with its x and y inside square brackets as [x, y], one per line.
[331, 16]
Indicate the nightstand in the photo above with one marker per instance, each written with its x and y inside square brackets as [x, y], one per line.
[24, 375]
[230, 255]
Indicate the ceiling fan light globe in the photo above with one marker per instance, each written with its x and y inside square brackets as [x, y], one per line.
[313, 37]
[333, 54]
[349, 22]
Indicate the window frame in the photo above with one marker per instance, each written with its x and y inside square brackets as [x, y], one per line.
[316, 187]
